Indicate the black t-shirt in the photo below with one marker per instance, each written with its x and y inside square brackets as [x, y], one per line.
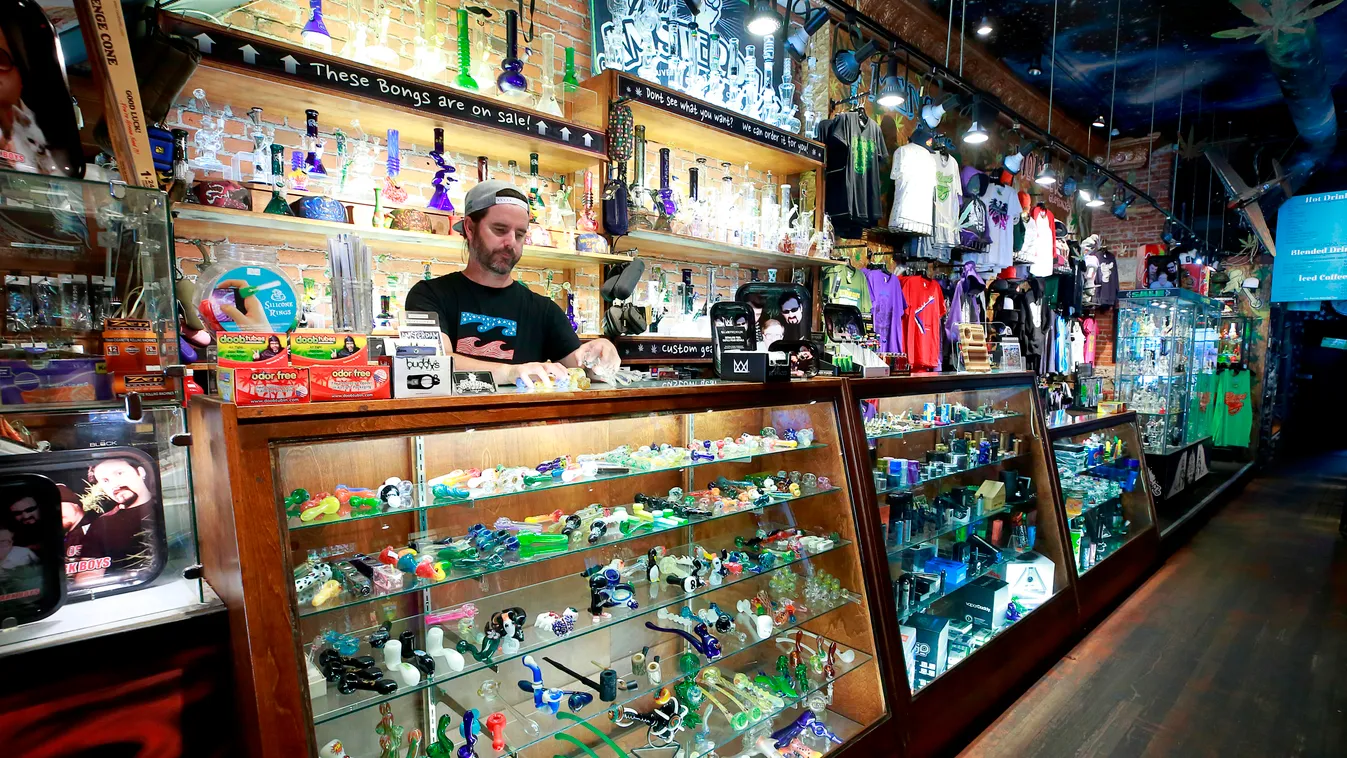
[507, 324]
[855, 150]
[125, 536]
[1106, 277]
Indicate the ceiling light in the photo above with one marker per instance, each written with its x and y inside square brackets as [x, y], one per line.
[847, 63]
[891, 88]
[984, 27]
[1085, 191]
[975, 135]
[1046, 176]
[1095, 202]
[763, 21]
[1114, 132]
[799, 39]
[1120, 207]
[1098, 122]
[1036, 68]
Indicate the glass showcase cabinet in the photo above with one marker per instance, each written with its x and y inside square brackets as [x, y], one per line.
[595, 573]
[1166, 350]
[96, 526]
[1111, 520]
[977, 551]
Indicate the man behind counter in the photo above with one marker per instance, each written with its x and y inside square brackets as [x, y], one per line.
[492, 322]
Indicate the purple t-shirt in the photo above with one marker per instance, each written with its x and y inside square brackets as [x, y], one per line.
[886, 309]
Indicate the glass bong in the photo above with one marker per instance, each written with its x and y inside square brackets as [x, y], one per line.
[548, 102]
[262, 137]
[464, 80]
[664, 203]
[429, 44]
[639, 202]
[511, 82]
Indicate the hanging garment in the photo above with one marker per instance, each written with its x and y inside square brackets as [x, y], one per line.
[1235, 410]
[855, 151]
[1202, 418]
[1003, 211]
[1033, 323]
[1040, 240]
[965, 303]
[886, 308]
[1090, 328]
[914, 189]
[844, 285]
[925, 308]
[1077, 345]
[1106, 279]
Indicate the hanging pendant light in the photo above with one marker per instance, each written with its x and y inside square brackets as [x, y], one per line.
[984, 27]
[891, 88]
[1098, 121]
[763, 20]
[1036, 67]
[1046, 176]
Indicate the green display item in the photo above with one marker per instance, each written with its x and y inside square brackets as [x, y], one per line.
[443, 747]
[534, 543]
[583, 747]
[572, 717]
[294, 501]
[464, 80]
[631, 526]
[569, 81]
[531, 481]
[364, 506]
[482, 655]
[689, 662]
[277, 206]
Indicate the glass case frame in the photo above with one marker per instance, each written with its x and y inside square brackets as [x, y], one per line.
[284, 448]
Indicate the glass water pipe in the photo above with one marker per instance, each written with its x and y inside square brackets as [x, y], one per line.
[429, 43]
[482, 70]
[548, 102]
[511, 81]
[313, 146]
[277, 205]
[380, 54]
[261, 135]
[315, 36]
[665, 202]
[443, 176]
[464, 80]
[569, 82]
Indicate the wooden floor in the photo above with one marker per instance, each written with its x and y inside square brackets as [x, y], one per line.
[1237, 646]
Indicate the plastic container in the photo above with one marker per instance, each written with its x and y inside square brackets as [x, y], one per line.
[244, 290]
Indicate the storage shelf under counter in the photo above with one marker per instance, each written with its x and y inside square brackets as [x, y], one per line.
[770, 552]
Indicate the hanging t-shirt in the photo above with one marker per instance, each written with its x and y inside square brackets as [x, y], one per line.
[1235, 410]
[1003, 209]
[886, 308]
[948, 194]
[844, 285]
[1090, 328]
[1202, 419]
[913, 189]
[855, 150]
[1040, 241]
[921, 322]
[1077, 344]
[1106, 279]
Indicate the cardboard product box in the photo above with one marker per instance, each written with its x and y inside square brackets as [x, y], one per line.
[36, 379]
[993, 494]
[252, 349]
[130, 346]
[930, 646]
[155, 386]
[743, 366]
[908, 635]
[1031, 577]
[984, 602]
[367, 382]
[423, 375]
[264, 386]
[319, 348]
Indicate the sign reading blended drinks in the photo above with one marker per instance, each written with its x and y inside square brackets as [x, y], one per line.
[1311, 261]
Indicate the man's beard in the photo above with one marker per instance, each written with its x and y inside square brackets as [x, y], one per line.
[124, 495]
[500, 262]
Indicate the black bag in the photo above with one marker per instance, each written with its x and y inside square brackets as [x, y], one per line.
[622, 315]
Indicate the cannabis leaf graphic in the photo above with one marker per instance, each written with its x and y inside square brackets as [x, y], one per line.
[1277, 18]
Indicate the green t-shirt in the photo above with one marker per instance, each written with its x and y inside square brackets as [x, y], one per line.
[1202, 407]
[1235, 410]
[844, 285]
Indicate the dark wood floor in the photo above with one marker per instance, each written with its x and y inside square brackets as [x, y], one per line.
[1237, 646]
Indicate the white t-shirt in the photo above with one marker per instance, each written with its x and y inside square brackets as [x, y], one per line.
[1077, 344]
[913, 188]
[1003, 208]
[1039, 242]
[948, 192]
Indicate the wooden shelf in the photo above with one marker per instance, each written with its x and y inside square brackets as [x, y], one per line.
[712, 137]
[697, 250]
[211, 224]
[280, 78]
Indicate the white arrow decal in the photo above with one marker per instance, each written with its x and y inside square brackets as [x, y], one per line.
[249, 54]
[588, 139]
[566, 133]
[290, 64]
[542, 127]
[204, 42]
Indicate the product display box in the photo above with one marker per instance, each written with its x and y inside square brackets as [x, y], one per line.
[130, 346]
[367, 382]
[314, 348]
[35, 379]
[155, 386]
[930, 646]
[984, 602]
[422, 375]
[264, 386]
[1031, 578]
[252, 349]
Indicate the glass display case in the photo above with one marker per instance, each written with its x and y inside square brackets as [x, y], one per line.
[976, 549]
[1102, 474]
[97, 524]
[1166, 349]
[604, 571]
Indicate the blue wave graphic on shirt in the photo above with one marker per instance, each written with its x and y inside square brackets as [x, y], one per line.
[486, 323]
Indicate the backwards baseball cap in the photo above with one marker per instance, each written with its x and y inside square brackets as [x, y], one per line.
[490, 193]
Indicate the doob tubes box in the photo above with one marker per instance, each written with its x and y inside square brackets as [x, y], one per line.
[264, 386]
[252, 349]
[317, 348]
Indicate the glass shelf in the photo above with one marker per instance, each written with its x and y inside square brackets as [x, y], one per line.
[904, 433]
[905, 613]
[428, 503]
[562, 592]
[924, 482]
[417, 584]
[893, 552]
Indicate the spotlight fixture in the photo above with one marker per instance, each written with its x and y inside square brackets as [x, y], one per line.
[847, 63]
[1085, 191]
[1098, 122]
[932, 113]
[1046, 176]
[1036, 67]
[891, 88]
[977, 133]
[1114, 132]
[984, 27]
[1120, 207]
[798, 40]
[763, 20]
[1096, 201]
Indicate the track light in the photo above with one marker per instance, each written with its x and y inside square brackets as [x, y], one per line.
[798, 40]
[1036, 67]
[977, 133]
[847, 63]
[1114, 132]
[1046, 176]
[1085, 191]
[984, 27]
[891, 88]
[1098, 122]
[763, 21]
[1120, 207]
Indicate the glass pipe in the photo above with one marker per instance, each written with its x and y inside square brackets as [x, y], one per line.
[786, 94]
[343, 159]
[770, 217]
[482, 70]
[547, 102]
[429, 44]
[734, 83]
[313, 146]
[752, 83]
[563, 203]
[261, 135]
[587, 221]
[209, 137]
[364, 155]
[569, 82]
[769, 111]
[277, 205]
[664, 203]
[696, 225]
[748, 237]
[439, 200]
[380, 54]
[181, 172]
[511, 81]
[393, 192]
[483, 168]
[715, 93]
[464, 80]
[536, 204]
[638, 195]
[696, 80]
[314, 35]
[726, 208]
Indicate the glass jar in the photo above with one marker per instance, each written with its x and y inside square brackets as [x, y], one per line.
[244, 290]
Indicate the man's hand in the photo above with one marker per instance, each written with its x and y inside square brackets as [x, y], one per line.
[253, 317]
[537, 373]
[598, 354]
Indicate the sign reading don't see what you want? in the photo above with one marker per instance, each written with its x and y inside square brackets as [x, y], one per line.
[1311, 262]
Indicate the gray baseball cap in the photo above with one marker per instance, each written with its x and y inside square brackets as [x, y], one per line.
[489, 193]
